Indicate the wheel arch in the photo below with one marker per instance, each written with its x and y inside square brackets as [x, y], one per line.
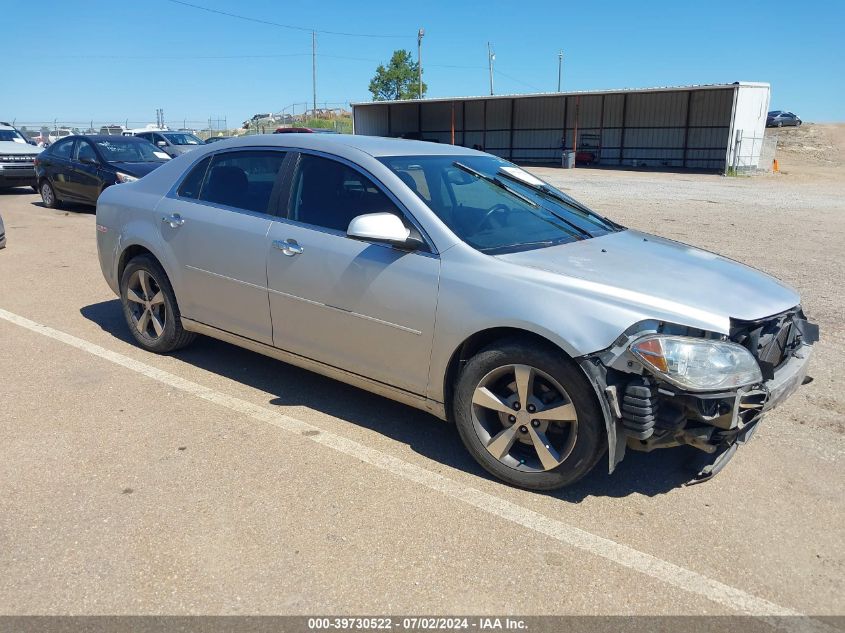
[470, 346]
[483, 338]
[132, 251]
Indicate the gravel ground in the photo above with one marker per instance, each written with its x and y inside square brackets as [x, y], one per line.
[790, 225]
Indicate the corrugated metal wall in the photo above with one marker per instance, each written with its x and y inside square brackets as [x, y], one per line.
[672, 128]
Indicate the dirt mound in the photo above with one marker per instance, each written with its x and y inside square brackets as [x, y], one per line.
[812, 143]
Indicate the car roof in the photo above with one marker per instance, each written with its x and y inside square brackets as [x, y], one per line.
[373, 145]
[108, 137]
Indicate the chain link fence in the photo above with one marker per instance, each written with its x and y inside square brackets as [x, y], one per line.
[753, 154]
[50, 131]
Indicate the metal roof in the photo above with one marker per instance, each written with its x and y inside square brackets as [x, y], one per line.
[568, 94]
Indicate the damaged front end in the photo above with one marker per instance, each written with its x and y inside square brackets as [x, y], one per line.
[665, 385]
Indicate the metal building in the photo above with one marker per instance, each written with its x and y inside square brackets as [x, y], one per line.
[715, 126]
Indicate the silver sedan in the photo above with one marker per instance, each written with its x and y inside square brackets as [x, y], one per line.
[456, 282]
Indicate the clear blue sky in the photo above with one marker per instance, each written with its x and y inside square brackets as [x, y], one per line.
[113, 60]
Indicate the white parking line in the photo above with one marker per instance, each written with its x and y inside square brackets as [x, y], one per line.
[670, 573]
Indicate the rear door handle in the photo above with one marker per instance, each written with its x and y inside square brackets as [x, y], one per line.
[288, 247]
[174, 220]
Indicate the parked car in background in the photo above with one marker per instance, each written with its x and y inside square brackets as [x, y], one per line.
[779, 118]
[303, 130]
[62, 132]
[456, 282]
[17, 158]
[2, 233]
[214, 139]
[173, 143]
[112, 130]
[79, 168]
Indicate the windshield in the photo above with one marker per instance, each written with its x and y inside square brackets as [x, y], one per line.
[121, 150]
[11, 135]
[183, 139]
[495, 206]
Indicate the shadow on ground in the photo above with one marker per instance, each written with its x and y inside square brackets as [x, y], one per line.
[640, 473]
[70, 207]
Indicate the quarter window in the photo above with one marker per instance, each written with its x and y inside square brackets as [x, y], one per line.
[329, 194]
[244, 180]
[190, 187]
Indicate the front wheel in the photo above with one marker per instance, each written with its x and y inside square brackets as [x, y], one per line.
[529, 416]
[150, 308]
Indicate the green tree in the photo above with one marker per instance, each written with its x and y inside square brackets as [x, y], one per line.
[400, 80]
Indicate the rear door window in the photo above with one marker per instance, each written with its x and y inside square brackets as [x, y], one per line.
[244, 180]
[63, 149]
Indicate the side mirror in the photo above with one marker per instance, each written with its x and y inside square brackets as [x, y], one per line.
[161, 143]
[88, 160]
[385, 228]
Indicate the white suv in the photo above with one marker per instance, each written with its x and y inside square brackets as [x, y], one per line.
[17, 158]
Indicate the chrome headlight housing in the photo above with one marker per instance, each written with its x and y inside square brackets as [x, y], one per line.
[121, 177]
[697, 364]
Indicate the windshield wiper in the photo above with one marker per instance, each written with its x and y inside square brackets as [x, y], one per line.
[557, 195]
[497, 182]
[584, 234]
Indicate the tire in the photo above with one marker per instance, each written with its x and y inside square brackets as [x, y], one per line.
[150, 308]
[577, 445]
[48, 195]
[780, 123]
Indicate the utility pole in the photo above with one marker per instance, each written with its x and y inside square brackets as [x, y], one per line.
[491, 56]
[314, 68]
[559, 68]
[420, 35]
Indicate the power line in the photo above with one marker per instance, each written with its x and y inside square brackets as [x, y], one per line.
[519, 81]
[285, 26]
[173, 57]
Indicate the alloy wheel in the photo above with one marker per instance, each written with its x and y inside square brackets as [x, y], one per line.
[146, 304]
[47, 194]
[524, 418]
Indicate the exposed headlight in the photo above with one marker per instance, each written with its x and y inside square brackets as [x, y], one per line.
[697, 364]
[121, 177]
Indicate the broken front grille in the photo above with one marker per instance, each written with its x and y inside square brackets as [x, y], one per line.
[771, 340]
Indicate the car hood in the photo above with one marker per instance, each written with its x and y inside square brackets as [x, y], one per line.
[647, 270]
[181, 149]
[11, 147]
[137, 169]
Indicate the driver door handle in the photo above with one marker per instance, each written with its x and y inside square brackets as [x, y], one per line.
[174, 220]
[288, 247]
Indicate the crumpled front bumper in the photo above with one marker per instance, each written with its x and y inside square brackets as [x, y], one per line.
[788, 377]
[646, 413]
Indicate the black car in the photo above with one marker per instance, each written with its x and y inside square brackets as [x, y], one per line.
[78, 168]
[779, 118]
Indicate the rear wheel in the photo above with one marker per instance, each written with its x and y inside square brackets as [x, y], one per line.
[48, 195]
[529, 416]
[150, 308]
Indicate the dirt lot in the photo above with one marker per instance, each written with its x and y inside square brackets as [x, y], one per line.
[219, 481]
